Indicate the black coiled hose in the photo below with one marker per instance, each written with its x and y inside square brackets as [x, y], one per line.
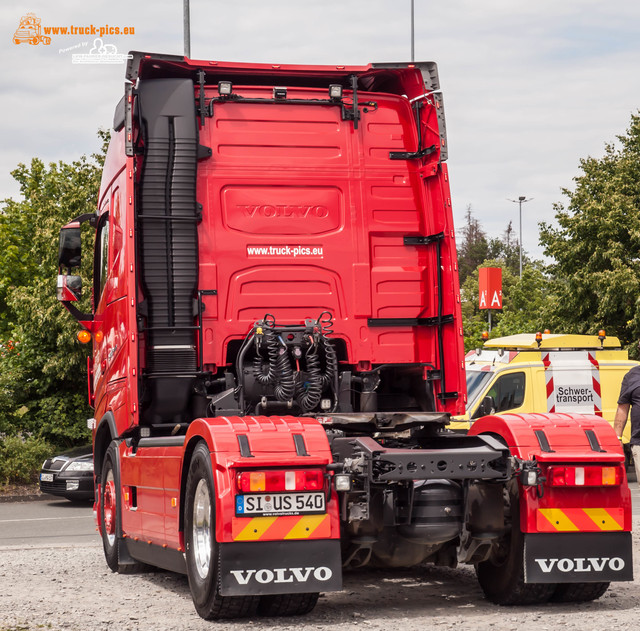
[258, 371]
[331, 361]
[286, 386]
[276, 370]
[279, 370]
[309, 396]
[258, 363]
[325, 323]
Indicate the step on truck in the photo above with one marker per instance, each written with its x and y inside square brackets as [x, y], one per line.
[278, 348]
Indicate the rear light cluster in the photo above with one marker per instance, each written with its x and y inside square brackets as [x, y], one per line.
[273, 481]
[585, 476]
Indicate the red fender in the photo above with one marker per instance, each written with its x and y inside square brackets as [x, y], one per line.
[565, 439]
[270, 443]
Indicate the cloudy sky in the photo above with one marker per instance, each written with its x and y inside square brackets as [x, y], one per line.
[529, 87]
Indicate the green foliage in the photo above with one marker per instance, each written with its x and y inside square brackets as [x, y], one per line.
[473, 248]
[21, 458]
[507, 250]
[593, 281]
[524, 299]
[42, 390]
[596, 268]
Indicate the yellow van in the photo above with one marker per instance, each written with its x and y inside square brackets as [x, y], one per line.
[554, 373]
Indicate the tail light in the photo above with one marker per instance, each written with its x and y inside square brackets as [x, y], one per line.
[275, 480]
[585, 476]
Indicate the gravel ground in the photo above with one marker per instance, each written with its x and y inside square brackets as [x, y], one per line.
[72, 588]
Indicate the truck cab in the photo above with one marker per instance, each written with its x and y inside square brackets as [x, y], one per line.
[277, 349]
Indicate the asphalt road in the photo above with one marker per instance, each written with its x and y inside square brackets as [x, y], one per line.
[57, 522]
[53, 575]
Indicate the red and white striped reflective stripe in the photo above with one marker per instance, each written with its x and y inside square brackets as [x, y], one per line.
[579, 519]
[551, 398]
[280, 528]
[595, 376]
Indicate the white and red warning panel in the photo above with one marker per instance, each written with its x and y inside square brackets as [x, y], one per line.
[490, 288]
[573, 382]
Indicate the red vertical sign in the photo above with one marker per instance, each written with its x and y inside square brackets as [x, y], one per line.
[490, 286]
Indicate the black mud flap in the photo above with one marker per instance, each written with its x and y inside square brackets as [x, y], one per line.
[280, 567]
[584, 557]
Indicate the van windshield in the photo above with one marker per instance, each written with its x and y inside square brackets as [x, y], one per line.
[476, 382]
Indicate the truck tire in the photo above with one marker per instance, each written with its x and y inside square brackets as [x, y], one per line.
[578, 592]
[287, 604]
[110, 515]
[202, 553]
[501, 577]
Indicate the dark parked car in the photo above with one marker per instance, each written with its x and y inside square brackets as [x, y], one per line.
[69, 475]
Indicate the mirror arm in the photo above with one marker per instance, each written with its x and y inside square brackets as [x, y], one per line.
[92, 218]
[85, 320]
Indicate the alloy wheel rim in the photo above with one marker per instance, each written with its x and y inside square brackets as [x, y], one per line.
[110, 508]
[202, 528]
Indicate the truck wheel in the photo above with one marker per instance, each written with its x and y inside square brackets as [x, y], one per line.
[110, 515]
[501, 577]
[287, 604]
[578, 592]
[202, 553]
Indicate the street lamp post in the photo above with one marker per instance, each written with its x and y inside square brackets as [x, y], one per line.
[521, 200]
[413, 57]
[187, 28]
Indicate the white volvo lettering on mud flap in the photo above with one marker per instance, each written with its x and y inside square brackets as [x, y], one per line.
[594, 564]
[282, 575]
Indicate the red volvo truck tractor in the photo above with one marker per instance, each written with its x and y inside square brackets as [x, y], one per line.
[277, 351]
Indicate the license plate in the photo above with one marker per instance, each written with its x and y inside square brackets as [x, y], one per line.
[255, 505]
[46, 477]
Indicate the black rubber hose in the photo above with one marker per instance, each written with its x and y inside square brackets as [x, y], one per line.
[286, 385]
[239, 374]
[312, 393]
[258, 363]
[331, 362]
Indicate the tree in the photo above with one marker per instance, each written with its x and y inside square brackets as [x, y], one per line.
[42, 391]
[473, 248]
[525, 307]
[596, 246]
[507, 249]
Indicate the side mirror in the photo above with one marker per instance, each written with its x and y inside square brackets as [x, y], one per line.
[69, 288]
[70, 251]
[488, 406]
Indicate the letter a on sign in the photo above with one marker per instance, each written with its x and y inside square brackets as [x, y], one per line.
[490, 286]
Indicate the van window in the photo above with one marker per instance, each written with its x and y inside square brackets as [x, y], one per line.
[476, 382]
[507, 392]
